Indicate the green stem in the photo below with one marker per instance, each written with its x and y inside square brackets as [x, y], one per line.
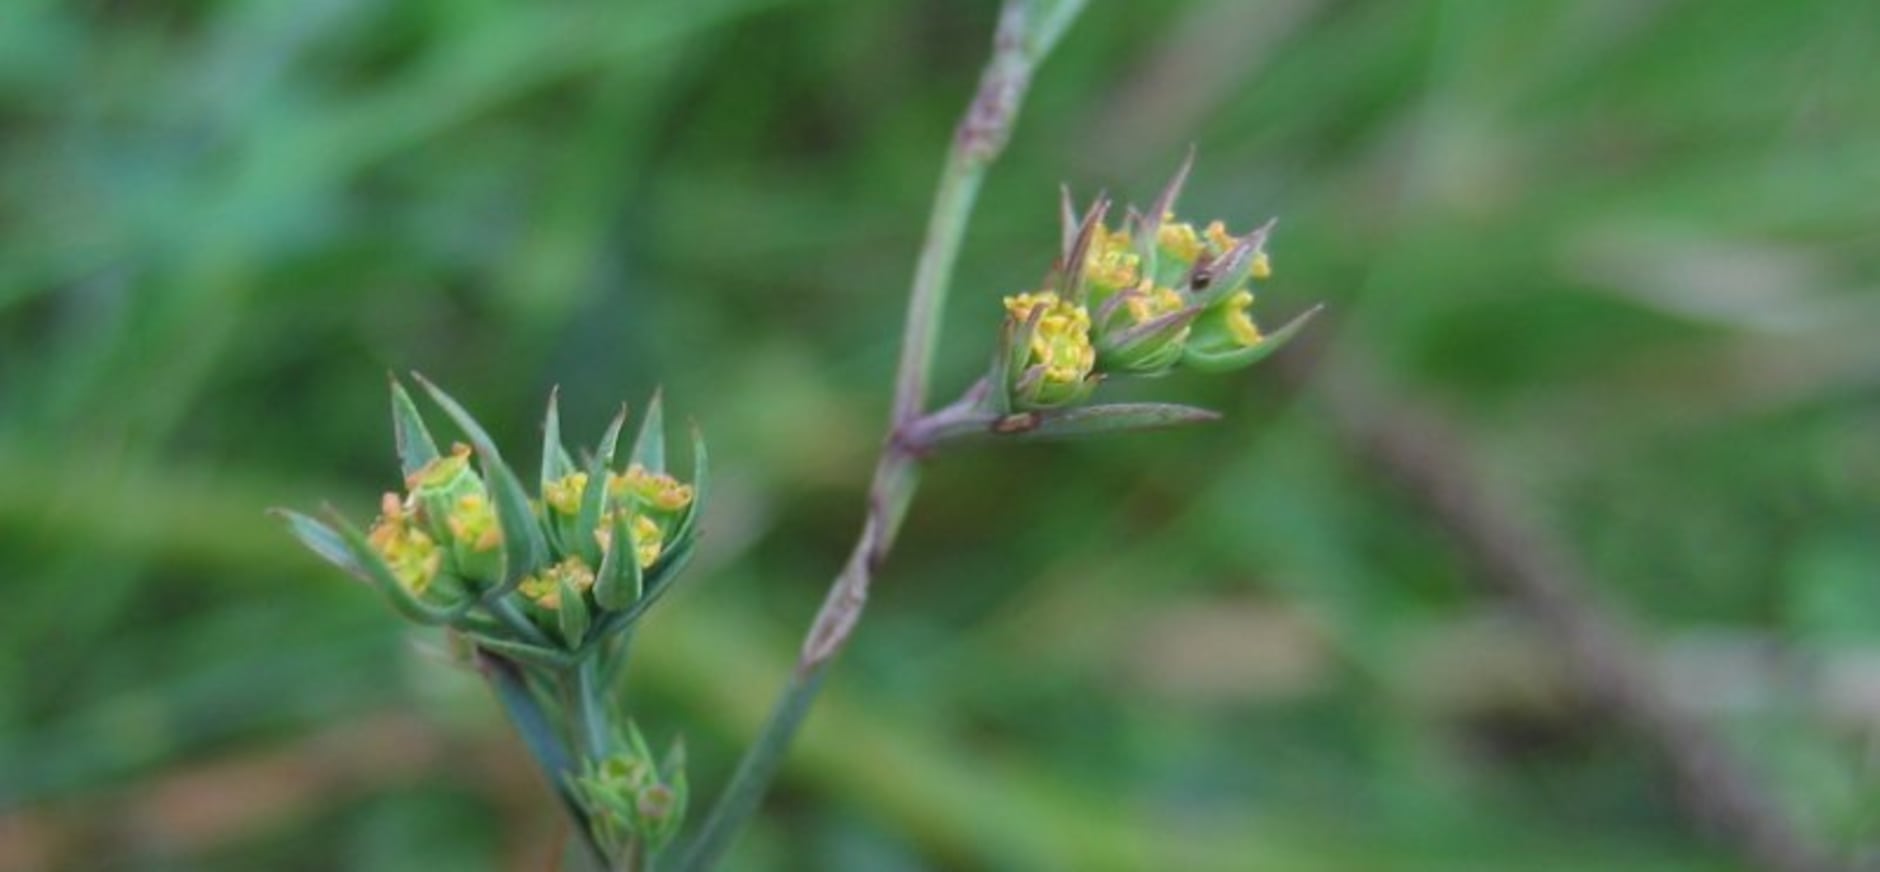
[1027, 31]
[538, 735]
[590, 710]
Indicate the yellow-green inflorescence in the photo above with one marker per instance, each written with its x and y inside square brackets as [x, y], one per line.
[653, 503]
[1138, 300]
[445, 526]
[1056, 359]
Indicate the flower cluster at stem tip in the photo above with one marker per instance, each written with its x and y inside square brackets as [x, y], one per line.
[1143, 299]
[447, 502]
[464, 544]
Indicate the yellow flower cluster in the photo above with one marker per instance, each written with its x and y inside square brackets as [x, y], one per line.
[655, 490]
[544, 588]
[1112, 264]
[1239, 320]
[411, 553]
[1061, 344]
[648, 540]
[642, 494]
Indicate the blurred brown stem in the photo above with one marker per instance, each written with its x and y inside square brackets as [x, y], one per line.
[1518, 558]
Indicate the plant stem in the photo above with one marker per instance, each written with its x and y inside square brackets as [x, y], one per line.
[538, 735]
[1027, 31]
[590, 713]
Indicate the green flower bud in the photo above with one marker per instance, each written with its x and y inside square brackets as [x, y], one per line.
[631, 800]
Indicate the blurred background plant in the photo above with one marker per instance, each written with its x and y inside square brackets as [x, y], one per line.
[1627, 250]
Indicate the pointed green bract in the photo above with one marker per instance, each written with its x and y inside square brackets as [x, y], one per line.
[594, 499]
[571, 613]
[380, 575]
[524, 548]
[322, 540]
[1225, 361]
[1147, 348]
[415, 446]
[555, 465]
[1000, 378]
[618, 583]
[1116, 417]
[649, 450]
[688, 523]
[658, 580]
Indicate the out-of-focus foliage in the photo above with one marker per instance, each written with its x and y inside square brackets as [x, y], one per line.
[1630, 246]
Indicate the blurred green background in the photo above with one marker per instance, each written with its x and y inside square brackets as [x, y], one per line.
[1629, 248]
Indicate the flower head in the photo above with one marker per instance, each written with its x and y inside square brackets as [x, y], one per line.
[544, 588]
[656, 491]
[412, 555]
[1052, 364]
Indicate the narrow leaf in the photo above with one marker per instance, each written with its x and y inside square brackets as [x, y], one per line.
[1151, 223]
[1152, 330]
[1237, 358]
[618, 583]
[1079, 251]
[594, 499]
[572, 612]
[1114, 418]
[555, 465]
[1230, 271]
[524, 549]
[649, 450]
[322, 540]
[688, 523]
[1067, 218]
[415, 447]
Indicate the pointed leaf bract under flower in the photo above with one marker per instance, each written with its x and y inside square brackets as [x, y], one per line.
[1115, 417]
[1225, 361]
[649, 450]
[619, 582]
[594, 498]
[414, 443]
[322, 540]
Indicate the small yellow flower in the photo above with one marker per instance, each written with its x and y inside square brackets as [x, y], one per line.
[472, 523]
[544, 589]
[564, 495]
[1147, 304]
[1061, 344]
[1179, 240]
[411, 554]
[1239, 321]
[1262, 266]
[1111, 264]
[1219, 238]
[655, 490]
[648, 539]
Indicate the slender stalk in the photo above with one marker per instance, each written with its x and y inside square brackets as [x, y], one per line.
[538, 735]
[1027, 31]
[589, 709]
